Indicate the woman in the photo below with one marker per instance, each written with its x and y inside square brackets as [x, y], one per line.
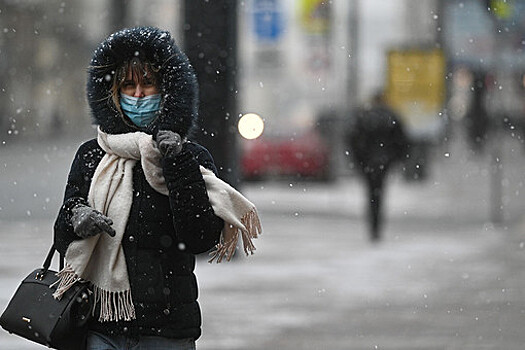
[141, 200]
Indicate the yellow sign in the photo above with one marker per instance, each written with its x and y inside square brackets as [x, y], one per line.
[315, 15]
[416, 85]
[501, 8]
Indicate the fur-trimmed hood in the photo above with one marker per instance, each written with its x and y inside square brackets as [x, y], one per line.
[178, 84]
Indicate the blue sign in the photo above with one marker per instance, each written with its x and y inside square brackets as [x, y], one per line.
[268, 19]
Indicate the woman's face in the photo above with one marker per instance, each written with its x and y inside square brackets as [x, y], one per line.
[133, 86]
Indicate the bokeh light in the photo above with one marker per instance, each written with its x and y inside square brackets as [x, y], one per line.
[251, 126]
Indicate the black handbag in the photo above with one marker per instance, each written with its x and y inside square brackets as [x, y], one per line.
[33, 313]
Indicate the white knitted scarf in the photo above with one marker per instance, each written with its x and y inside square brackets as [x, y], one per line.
[100, 259]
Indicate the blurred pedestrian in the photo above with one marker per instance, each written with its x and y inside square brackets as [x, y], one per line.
[377, 140]
[477, 120]
[141, 200]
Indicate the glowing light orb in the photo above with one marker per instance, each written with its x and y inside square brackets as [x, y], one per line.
[250, 126]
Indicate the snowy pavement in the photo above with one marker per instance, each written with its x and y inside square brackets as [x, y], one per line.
[317, 284]
[443, 277]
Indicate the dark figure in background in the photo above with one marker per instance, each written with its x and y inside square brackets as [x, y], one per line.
[377, 140]
[477, 118]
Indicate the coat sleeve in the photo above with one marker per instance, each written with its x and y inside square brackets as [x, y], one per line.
[195, 222]
[83, 167]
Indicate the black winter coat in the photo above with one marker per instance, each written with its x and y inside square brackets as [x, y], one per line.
[162, 235]
[377, 139]
[163, 232]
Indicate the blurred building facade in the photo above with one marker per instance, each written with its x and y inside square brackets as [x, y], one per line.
[298, 59]
[45, 49]
[301, 58]
[297, 62]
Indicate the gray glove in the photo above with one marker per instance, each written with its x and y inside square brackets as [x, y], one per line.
[89, 222]
[169, 143]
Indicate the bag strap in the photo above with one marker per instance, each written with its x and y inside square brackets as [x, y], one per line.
[49, 258]
[41, 274]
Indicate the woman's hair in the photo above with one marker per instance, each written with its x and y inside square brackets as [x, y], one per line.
[139, 70]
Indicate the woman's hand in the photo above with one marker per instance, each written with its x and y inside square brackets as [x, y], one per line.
[89, 222]
[169, 143]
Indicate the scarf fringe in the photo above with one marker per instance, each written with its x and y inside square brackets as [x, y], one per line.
[66, 279]
[114, 306]
[252, 230]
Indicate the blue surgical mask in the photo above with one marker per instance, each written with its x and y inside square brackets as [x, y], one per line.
[141, 110]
